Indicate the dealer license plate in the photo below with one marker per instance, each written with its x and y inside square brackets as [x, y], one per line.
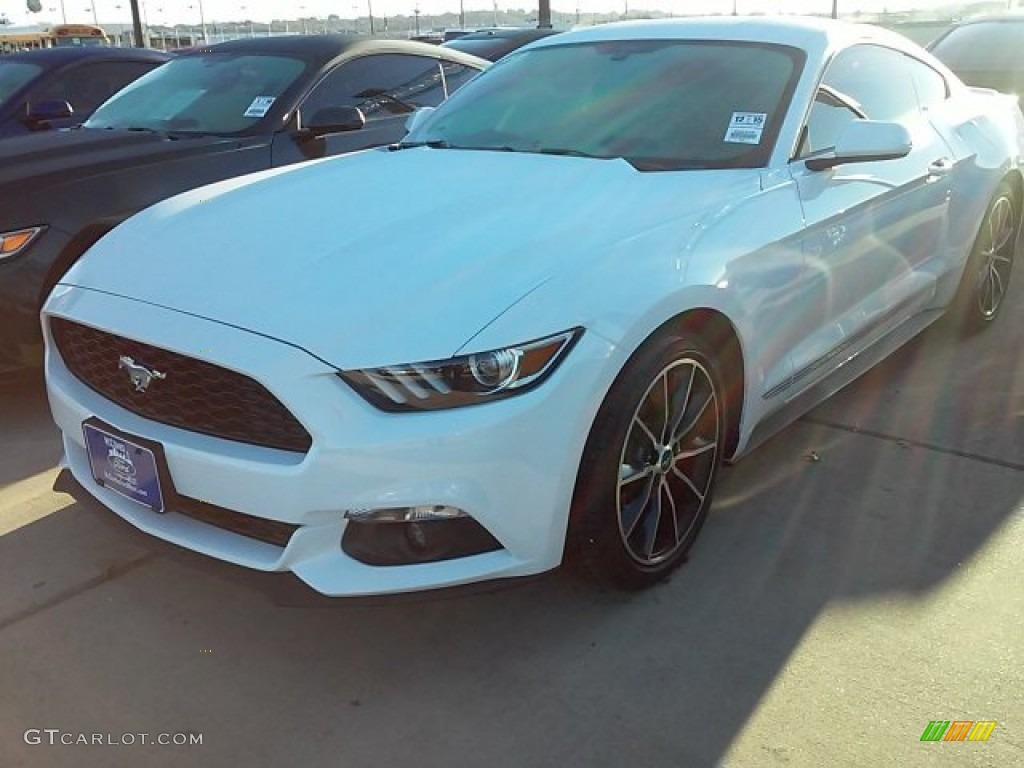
[124, 467]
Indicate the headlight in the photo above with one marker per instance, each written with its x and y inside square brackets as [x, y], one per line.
[13, 243]
[466, 380]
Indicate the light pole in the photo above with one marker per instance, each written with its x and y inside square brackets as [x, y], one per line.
[252, 31]
[95, 18]
[141, 38]
[137, 22]
[369, 10]
[202, 19]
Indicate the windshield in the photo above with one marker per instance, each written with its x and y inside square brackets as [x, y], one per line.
[71, 42]
[13, 75]
[661, 105]
[214, 93]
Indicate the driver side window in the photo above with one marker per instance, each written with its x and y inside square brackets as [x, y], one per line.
[866, 82]
[826, 121]
[381, 85]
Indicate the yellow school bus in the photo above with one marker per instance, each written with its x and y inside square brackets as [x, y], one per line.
[24, 38]
[78, 34]
[29, 38]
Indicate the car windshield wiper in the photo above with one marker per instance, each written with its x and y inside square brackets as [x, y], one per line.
[432, 144]
[146, 129]
[676, 164]
[442, 144]
[497, 148]
[171, 134]
[566, 152]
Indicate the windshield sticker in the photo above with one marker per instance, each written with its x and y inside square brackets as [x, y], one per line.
[259, 107]
[746, 128]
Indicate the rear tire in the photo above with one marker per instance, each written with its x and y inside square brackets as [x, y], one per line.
[986, 277]
[649, 467]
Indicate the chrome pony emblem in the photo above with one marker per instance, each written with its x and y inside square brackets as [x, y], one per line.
[139, 375]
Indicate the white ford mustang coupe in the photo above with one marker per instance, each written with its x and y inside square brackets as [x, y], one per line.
[534, 330]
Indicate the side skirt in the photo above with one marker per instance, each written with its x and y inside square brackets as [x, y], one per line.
[839, 378]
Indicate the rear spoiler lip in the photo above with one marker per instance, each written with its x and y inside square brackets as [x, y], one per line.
[980, 91]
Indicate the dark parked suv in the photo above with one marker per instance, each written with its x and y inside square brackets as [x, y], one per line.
[985, 52]
[493, 44]
[206, 115]
[60, 87]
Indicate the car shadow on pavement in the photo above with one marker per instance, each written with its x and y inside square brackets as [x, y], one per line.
[552, 670]
[29, 440]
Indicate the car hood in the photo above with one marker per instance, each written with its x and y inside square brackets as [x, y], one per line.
[385, 257]
[59, 155]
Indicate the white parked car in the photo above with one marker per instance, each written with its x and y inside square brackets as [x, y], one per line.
[535, 329]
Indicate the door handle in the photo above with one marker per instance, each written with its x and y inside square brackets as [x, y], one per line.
[940, 167]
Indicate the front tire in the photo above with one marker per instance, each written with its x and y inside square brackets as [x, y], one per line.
[649, 467]
[986, 277]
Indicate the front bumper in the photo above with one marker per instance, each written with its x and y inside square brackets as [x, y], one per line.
[510, 464]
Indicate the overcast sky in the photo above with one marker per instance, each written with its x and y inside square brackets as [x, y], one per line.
[187, 11]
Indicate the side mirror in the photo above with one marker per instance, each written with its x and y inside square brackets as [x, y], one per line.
[46, 111]
[334, 120]
[863, 141]
[415, 120]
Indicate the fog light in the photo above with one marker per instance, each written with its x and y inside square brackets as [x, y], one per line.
[419, 513]
[426, 533]
[433, 512]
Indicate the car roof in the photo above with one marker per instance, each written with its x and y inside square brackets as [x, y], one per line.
[56, 57]
[505, 33]
[496, 44]
[1002, 18]
[813, 34]
[322, 49]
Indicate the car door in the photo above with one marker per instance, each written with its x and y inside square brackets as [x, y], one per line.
[871, 227]
[385, 87]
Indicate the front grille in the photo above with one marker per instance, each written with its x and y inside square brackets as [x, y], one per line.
[195, 395]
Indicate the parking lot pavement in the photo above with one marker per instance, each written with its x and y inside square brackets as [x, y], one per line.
[859, 577]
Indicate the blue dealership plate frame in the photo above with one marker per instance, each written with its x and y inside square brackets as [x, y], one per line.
[125, 464]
